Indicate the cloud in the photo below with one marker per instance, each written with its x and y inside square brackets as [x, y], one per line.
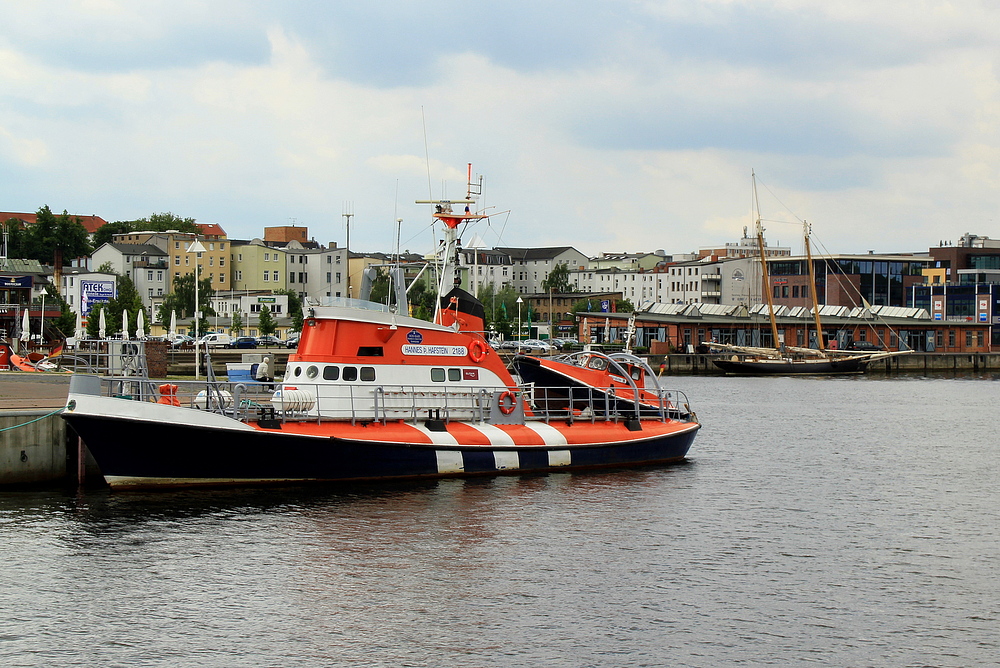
[606, 125]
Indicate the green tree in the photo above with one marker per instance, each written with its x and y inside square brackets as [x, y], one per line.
[265, 323]
[421, 300]
[236, 325]
[558, 280]
[17, 238]
[181, 298]
[294, 308]
[65, 323]
[56, 239]
[94, 321]
[158, 222]
[127, 298]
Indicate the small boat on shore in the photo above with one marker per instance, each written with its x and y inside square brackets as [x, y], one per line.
[370, 394]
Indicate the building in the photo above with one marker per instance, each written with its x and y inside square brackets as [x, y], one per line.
[531, 266]
[667, 328]
[145, 264]
[847, 280]
[213, 264]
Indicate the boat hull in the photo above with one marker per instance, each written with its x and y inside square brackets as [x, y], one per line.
[558, 388]
[141, 453]
[792, 367]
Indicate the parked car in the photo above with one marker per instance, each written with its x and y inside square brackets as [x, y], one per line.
[507, 345]
[244, 342]
[537, 346]
[215, 340]
[292, 342]
[866, 346]
[269, 341]
[182, 341]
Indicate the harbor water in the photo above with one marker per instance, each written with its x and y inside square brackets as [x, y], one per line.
[848, 522]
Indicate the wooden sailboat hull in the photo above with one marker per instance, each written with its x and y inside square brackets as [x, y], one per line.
[786, 367]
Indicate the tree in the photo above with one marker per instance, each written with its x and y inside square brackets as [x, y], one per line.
[94, 321]
[181, 298]
[421, 300]
[17, 238]
[558, 280]
[294, 308]
[236, 325]
[65, 323]
[56, 239]
[501, 308]
[158, 222]
[265, 323]
[127, 298]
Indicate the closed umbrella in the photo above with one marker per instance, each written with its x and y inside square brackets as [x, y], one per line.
[140, 324]
[102, 325]
[25, 327]
[79, 333]
[173, 325]
[125, 334]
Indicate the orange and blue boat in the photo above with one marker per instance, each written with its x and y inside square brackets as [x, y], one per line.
[370, 394]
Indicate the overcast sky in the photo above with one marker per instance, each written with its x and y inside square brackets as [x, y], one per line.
[604, 125]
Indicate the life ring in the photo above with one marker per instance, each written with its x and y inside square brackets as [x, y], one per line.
[477, 351]
[507, 410]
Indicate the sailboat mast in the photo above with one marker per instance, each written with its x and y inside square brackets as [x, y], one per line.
[765, 276]
[812, 287]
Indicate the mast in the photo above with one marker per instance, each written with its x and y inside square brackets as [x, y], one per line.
[765, 276]
[452, 219]
[812, 288]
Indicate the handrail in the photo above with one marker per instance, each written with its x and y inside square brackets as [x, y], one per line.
[383, 403]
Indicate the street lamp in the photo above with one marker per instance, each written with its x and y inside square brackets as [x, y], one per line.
[519, 302]
[197, 249]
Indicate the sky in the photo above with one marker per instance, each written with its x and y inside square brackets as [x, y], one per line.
[614, 125]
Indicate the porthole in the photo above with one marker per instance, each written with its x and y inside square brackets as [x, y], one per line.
[298, 371]
[312, 372]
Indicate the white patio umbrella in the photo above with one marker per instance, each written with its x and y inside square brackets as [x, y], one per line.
[140, 324]
[173, 325]
[125, 334]
[25, 327]
[79, 333]
[102, 325]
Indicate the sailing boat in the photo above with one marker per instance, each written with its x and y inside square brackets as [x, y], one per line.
[781, 359]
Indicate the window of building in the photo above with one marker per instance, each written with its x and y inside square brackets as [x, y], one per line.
[149, 275]
[211, 245]
[338, 277]
[951, 338]
[267, 276]
[267, 257]
[177, 245]
[979, 338]
[239, 275]
[274, 275]
[968, 339]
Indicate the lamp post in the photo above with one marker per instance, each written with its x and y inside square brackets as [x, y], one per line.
[197, 249]
[519, 302]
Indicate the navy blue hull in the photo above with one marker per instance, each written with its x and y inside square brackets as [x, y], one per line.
[176, 451]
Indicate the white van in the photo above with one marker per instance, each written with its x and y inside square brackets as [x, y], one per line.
[216, 341]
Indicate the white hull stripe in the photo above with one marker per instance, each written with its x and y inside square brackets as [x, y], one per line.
[436, 437]
[550, 435]
[496, 435]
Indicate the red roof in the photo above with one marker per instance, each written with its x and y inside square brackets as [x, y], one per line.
[90, 223]
[212, 230]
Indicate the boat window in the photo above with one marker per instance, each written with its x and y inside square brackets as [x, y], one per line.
[312, 372]
[454, 375]
[370, 351]
[598, 363]
[368, 373]
[437, 375]
[636, 373]
[298, 371]
[331, 372]
[350, 373]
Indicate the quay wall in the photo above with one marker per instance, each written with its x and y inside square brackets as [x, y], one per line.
[32, 447]
[912, 363]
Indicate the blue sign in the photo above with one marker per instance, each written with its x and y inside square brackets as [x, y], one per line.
[414, 337]
[15, 282]
[983, 317]
[93, 292]
[937, 316]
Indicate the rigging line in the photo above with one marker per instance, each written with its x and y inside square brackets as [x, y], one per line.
[778, 199]
[427, 154]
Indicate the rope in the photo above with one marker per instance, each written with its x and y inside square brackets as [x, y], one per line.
[25, 424]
